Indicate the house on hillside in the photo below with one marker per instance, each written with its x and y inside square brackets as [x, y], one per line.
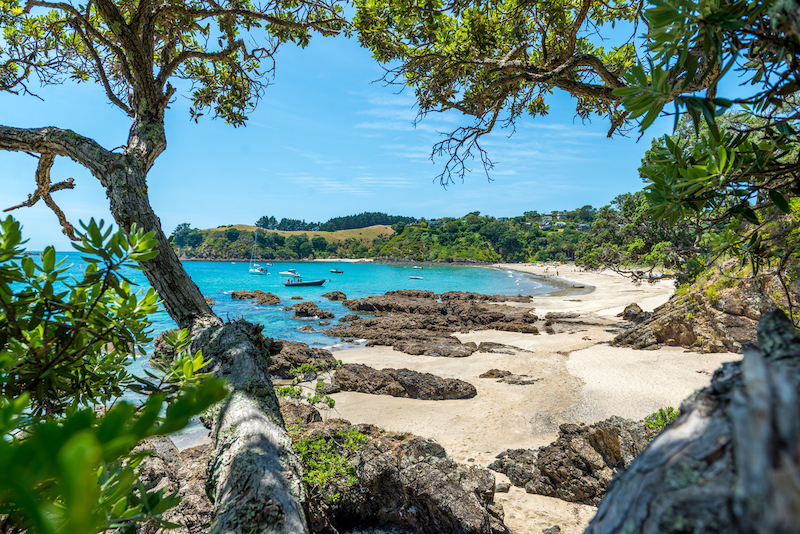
[434, 223]
[561, 224]
[502, 219]
[562, 214]
[584, 227]
[547, 218]
[545, 225]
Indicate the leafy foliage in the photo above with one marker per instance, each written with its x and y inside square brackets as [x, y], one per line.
[662, 418]
[499, 60]
[133, 49]
[626, 238]
[325, 463]
[65, 346]
[307, 385]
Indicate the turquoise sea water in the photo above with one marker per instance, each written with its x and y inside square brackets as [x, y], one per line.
[216, 279]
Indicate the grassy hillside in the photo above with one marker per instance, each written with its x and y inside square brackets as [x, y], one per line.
[236, 242]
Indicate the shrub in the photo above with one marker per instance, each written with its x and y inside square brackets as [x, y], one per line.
[662, 418]
[64, 346]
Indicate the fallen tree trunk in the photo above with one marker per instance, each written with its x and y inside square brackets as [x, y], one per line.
[731, 462]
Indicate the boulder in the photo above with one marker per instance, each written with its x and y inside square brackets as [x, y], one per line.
[403, 483]
[258, 296]
[287, 355]
[496, 348]
[495, 373]
[401, 383]
[448, 347]
[718, 313]
[335, 295]
[308, 309]
[579, 465]
[635, 314]
[210, 301]
[514, 326]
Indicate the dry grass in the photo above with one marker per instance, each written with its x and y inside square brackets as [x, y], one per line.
[365, 235]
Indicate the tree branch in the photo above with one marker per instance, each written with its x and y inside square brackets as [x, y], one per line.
[43, 190]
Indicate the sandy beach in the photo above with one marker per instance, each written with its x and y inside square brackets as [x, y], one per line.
[583, 380]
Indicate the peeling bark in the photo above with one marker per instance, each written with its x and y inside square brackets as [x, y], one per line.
[731, 462]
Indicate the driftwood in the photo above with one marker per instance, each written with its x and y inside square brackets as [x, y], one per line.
[731, 462]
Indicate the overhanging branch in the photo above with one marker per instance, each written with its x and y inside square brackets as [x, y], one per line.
[43, 190]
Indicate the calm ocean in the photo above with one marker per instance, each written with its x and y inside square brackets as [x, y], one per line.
[217, 279]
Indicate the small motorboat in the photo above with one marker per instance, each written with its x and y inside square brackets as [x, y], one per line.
[336, 271]
[255, 268]
[416, 267]
[297, 281]
[289, 272]
[415, 277]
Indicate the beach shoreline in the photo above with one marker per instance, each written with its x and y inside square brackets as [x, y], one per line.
[582, 380]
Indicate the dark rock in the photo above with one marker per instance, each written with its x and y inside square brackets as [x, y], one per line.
[495, 373]
[324, 323]
[306, 328]
[519, 380]
[210, 301]
[401, 383]
[441, 347]
[496, 348]
[555, 529]
[549, 329]
[634, 313]
[296, 297]
[259, 297]
[349, 317]
[502, 487]
[309, 309]
[405, 484]
[562, 315]
[161, 350]
[291, 354]
[298, 415]
[519, 465]
[718, 313]
[579, 465]
[514, 326]
[335, 295]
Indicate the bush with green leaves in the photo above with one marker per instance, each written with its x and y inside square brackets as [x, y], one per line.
[325, 461]
[65, 343]
[305, 385]
[662, 418]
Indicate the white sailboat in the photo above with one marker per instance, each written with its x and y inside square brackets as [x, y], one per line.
[256, 268]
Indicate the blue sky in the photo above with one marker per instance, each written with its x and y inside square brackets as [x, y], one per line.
[325, 141]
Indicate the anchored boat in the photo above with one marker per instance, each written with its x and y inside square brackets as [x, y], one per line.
[297, 281]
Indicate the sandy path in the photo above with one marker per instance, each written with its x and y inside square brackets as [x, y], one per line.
[583, 380]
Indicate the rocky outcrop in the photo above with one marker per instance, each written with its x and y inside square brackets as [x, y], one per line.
[162, 351]
[287, 355]
[401, 383]
[421, 322]
[401, 483]
[257, 296]
[308, 309]
[335, 295]
[443, 347]
[579, 465]
[181, 471]
[635, 314]
[510, 378]
[718, 313]
[210, 301]
[729, 463]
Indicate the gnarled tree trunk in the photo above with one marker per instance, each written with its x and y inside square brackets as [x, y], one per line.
[731, 462]
[256, 479]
